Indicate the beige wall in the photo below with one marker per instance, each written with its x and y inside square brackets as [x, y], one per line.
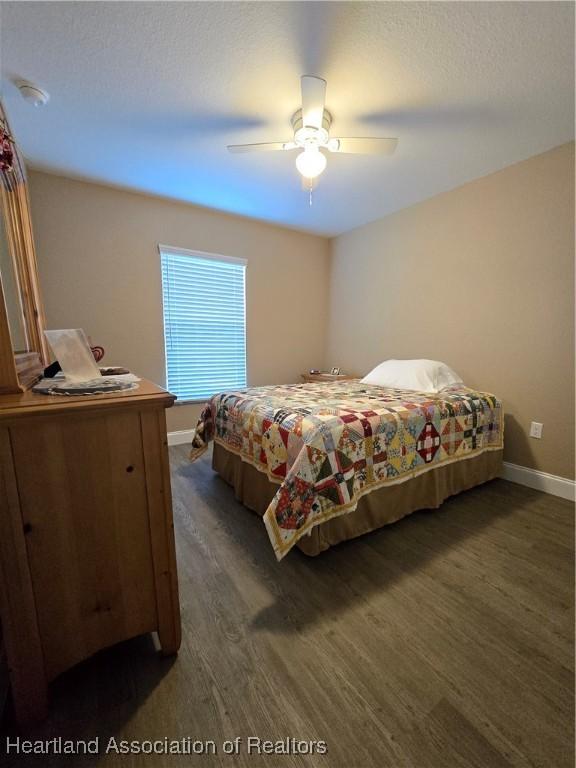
[481, 277]
[100, 270]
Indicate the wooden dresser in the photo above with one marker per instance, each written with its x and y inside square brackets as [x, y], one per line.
[87, 553]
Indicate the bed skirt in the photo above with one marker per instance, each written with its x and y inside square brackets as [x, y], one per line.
[381, 507]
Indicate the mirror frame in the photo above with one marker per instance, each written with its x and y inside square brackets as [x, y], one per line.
[19, 371]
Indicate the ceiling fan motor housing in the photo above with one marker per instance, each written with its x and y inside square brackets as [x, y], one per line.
[307, 136]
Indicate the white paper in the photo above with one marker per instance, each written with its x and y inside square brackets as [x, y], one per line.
[71, 348]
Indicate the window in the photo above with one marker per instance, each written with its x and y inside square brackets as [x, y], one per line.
[204, 322]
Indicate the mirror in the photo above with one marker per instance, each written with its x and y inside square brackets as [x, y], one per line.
[23, 351]
[12, 293]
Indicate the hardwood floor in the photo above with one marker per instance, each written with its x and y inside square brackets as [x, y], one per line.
[442, 641]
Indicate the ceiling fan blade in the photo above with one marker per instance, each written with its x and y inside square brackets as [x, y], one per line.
[273, 146]
[366, 146]
[313, 98]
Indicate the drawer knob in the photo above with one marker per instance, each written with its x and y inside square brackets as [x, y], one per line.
[129, 468]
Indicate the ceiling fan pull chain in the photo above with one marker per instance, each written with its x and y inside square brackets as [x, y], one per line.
[310, 198]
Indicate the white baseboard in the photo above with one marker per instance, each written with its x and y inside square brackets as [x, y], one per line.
[180, 437]
[541, 481]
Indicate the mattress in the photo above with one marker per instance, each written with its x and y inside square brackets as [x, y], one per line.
[327, 445]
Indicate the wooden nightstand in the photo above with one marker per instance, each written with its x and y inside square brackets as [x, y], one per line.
[311, 377]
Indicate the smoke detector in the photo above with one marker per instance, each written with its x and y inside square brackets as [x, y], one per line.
[33, 94]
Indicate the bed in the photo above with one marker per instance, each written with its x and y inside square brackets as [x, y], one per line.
[326, 462]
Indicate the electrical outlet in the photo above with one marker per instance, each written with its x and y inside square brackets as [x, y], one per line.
[536, 430]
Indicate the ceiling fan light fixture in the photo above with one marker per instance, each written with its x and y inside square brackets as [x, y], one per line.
[311, 127]
[311, 162]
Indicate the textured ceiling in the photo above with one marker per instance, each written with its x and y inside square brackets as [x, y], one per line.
[147, 95]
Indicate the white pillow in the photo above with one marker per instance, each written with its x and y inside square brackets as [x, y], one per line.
[419, 375]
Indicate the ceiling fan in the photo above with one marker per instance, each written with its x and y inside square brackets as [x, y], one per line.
[311, 126]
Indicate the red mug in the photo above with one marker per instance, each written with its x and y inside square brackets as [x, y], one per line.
[98, 353]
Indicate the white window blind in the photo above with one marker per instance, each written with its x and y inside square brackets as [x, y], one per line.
[204, 322]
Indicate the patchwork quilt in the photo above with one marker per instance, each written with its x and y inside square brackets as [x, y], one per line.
[328, 444]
